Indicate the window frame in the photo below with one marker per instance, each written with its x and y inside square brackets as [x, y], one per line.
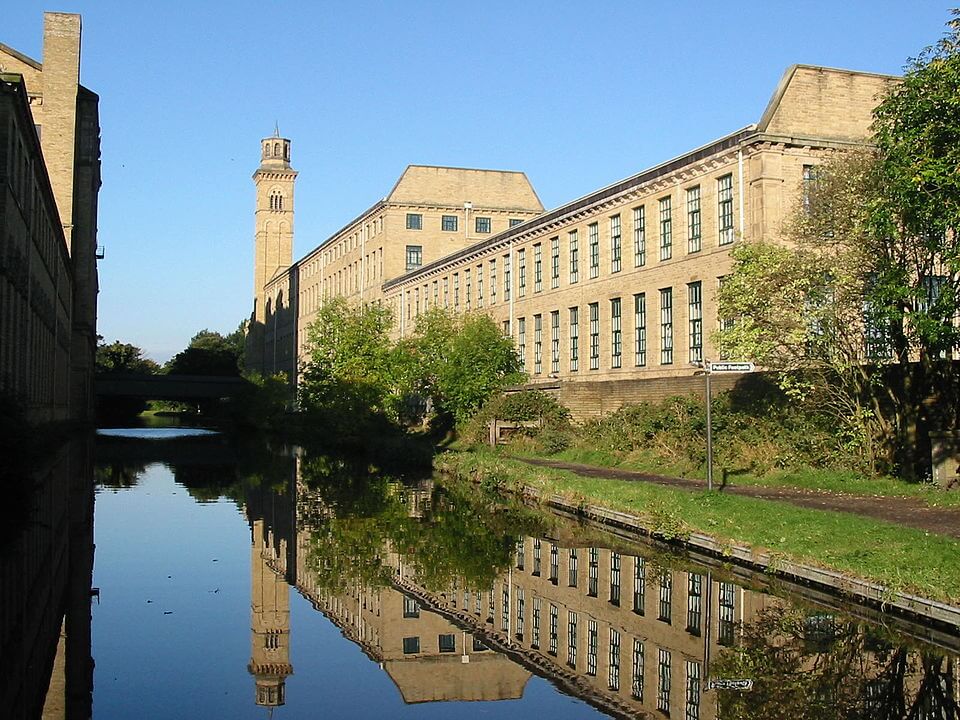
[666, 227]
[694, 220]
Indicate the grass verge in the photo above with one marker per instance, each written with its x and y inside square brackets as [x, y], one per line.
[900, 558]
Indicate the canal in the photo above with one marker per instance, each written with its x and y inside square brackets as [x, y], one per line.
[231, 577]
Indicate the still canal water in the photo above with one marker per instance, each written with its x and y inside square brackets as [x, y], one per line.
[240, 580]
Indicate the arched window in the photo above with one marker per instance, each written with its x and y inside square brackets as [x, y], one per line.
[266, 150]
[276, 200]
[286, 151]
[276, 149]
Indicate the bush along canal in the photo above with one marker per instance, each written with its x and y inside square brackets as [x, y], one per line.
[236, 576]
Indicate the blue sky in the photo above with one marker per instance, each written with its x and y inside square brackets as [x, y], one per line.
[575, 94]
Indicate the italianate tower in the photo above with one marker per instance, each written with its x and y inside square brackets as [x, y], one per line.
[273, 245]
[273, 238]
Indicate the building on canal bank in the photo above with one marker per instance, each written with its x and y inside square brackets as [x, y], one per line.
[429, 213]
[49, 185]
[618, 288]
[610, 295]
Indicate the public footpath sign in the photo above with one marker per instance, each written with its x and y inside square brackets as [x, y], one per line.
[732, 367]
[729, 684]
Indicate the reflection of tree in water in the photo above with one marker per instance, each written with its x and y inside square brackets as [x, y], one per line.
[818, 668]
[356, 515]
[208, 483]
[118, 475]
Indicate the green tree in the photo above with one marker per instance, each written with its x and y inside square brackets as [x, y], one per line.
[349, 366]
[208, 353]
[238, 341]
[915, 239]
[859, 308]
[800, 308]
[478, 362]
[119, 357]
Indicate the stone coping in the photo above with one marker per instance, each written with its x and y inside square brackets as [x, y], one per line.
[876, 595]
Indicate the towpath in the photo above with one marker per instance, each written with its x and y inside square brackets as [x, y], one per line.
[908, 511]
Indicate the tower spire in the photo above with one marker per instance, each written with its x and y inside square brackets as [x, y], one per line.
[276, 128]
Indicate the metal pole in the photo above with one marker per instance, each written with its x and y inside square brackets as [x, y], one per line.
[706, 367]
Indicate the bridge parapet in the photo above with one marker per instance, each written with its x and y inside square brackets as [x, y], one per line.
[167, 387]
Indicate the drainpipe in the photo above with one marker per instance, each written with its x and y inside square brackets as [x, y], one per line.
[276, 317]
[509, 627]
[707, 620]
[363, 260]
[512, 293]
[740, 188]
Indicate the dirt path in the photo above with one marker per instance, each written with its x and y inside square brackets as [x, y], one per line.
[906, 511]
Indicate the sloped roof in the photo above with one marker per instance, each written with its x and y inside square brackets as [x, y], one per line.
[452, 186]
[16, 54]
[825, 102]
[488, 676]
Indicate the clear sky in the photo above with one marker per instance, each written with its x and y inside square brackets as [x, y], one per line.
[575, 94]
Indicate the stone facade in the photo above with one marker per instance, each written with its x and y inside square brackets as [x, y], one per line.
[429, 213]
[618, 285]
[273, 250]
[49, 182]
[621, 284]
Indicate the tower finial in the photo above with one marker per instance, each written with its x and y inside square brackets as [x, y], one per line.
[276, 128]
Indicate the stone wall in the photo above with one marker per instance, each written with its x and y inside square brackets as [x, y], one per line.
[588, 400]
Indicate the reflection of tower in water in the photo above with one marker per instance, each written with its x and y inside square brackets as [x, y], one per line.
[269, 617]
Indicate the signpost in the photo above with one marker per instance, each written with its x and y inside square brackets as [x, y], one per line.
[708, 369]
[731, 367]
[729, 684]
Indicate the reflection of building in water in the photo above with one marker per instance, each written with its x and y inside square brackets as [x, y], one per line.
[46, 567]
[427, 656]
[419, 499]
[269, 616]
[627, 635]
[622, 631]
[271, 513]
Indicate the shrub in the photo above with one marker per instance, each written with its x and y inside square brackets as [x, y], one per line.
[522, 406]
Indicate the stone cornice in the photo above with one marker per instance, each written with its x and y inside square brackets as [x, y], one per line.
[661, 178]
[260, 174]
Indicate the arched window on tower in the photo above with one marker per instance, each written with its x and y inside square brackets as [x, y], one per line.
[286, 151]
[266, 149]
[276, 149]
[276, 200]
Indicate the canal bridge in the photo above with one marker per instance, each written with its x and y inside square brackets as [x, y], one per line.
[182, 388]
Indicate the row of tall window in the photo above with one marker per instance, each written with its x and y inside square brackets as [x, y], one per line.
[637, 586]
[37, 208]
[348, 279]
[482, 225]
[354, 240]
[615, 347]
[528, 617]
[666, 235]
[553, 266]
[593, 649]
